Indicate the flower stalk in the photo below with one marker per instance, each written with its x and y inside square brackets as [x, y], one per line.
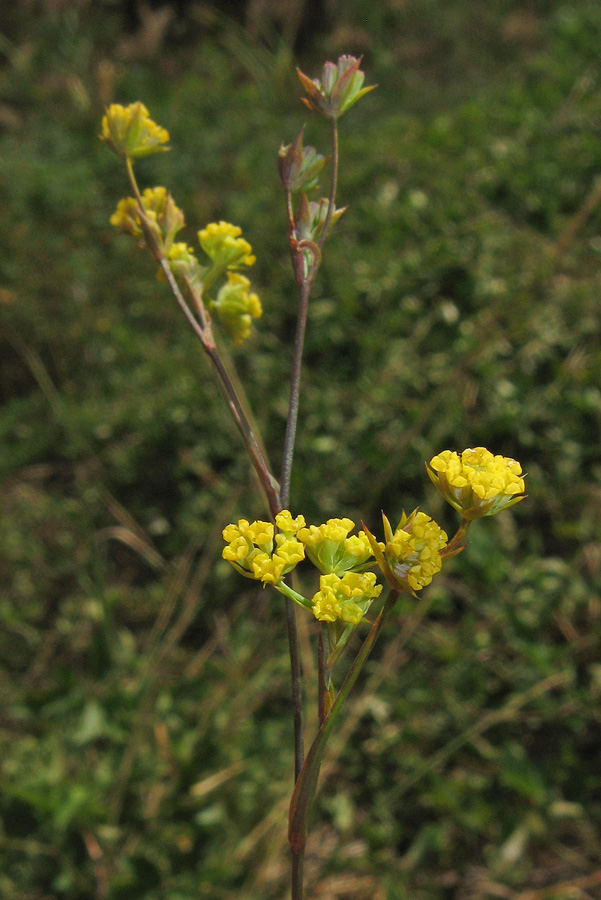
[306, 785]
[305, 285]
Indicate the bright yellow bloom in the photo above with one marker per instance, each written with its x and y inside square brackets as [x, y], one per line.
[236, 307]
[266, 568]
[414, 551]
[250, 548]
[410, 556]
[287, 524]
[224, 246]
[476, 482]
[332, 530]
[331, 550]
[347, 598]
[130, 132]
[289, 550]
[259, 533]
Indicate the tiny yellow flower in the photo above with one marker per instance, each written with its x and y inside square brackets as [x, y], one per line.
[250, 548]
[476, 482]
[266, 568]
[331, 549]
[130, 132]
[287, 524]
[260, 533]
[236, 307]
[224, 246]
[346, 598]
[289, 550]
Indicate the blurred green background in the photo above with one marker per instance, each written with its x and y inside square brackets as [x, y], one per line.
[144, 718]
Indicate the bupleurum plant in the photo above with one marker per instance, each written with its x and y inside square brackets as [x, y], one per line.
[354, 569]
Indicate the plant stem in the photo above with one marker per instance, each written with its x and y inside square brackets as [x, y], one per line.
[297, 874]
[455, 545]
[287, 457]
[267, 480]
[321, 678]
[204, 335]
[306, 785]
[333, 183]
[297, 363]
[297, 690]
[299, 339]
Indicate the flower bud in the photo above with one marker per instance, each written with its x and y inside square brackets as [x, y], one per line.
[311, 218]
[339, 88]
[299, 166]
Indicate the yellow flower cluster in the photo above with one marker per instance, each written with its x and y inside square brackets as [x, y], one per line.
[476, 482]
[250, 547]
[330, 548]
[236, 307]
[413, 551]
[126, 217]
[224, 246]
[411, 555]
[163, 216]
[130, 132]
[347, 598]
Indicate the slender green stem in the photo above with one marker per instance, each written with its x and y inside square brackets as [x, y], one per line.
[333, 183]
[297, 687]
[267, 480]
[322, 692]
[299, 340]
[304, 792]
[297, 363]
[287, 457]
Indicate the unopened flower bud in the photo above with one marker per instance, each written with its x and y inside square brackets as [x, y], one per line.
[339, 88]
[299, 166]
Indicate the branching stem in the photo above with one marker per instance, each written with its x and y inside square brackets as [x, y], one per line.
[204, 335]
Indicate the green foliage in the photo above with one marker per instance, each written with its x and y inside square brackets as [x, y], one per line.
[145, 735]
